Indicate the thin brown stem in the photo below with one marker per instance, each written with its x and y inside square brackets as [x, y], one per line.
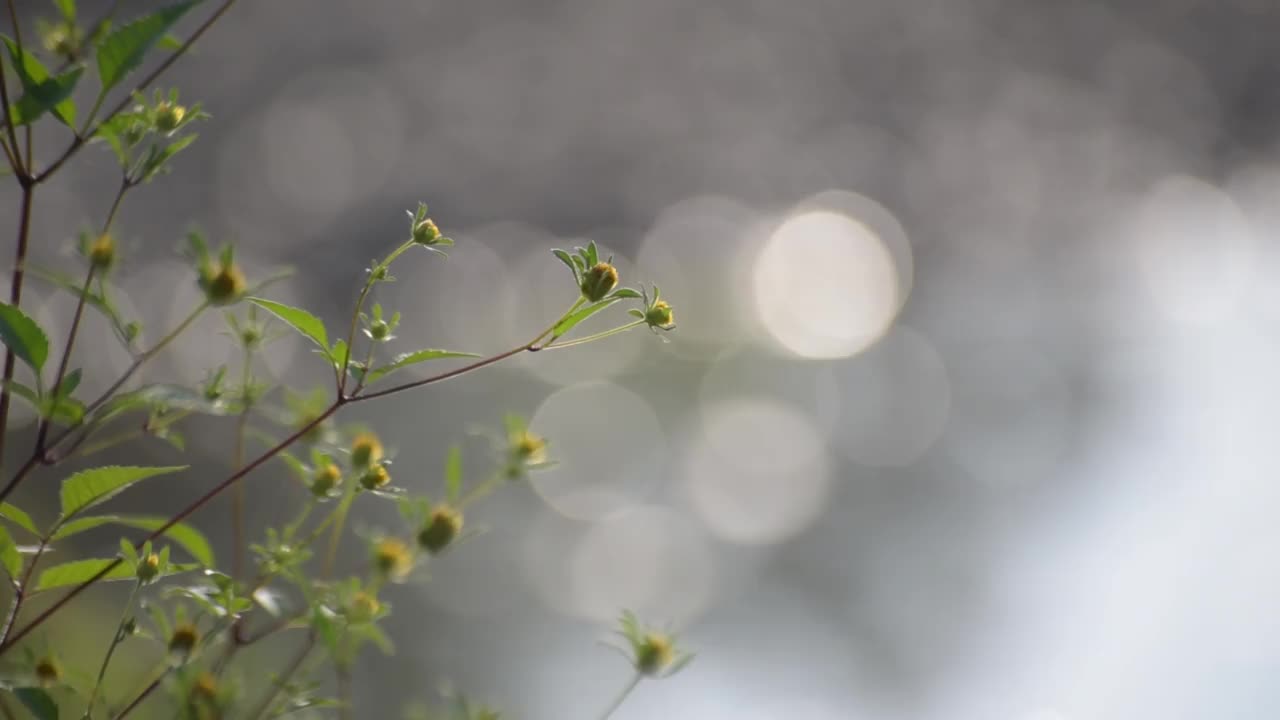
[296, 664]
[237, 495]
[81, 140]
[65, 361]
[142, 696]
[15, 299]
[20, 591]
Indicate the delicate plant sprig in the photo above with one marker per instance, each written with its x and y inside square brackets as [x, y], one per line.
[652, 653]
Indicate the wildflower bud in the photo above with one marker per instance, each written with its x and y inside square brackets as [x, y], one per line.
[375, 477]
[528, 448]
[366, 450]
[598, 281]
[224, 285]
[102, 252]
[48, 671]
[183, 640]
[362, 608]
[654, 654]
[326, 478]
[148, 567]
[392, 558]
[660, 315]
[169, 116]
[379, 330]
[379, 273]
[442, 528]
[426, 232]
[206, 686]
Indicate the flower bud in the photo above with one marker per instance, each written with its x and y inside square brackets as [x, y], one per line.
[102, 252]
[442, 528]
[598, 281]
[366, 450]
[375, 477]
[660, 315]
[392, 558]
[205, 686]
[362, 608]
[426, 232]
[169, 116]
[183, 640]
[528, 448]
[47, 671]
[148, 567]
[379, 330]
[224, 285]
[326, 478]
[654, 654]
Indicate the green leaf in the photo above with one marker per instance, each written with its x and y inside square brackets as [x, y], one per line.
[78, 571]
[568, 261]
[19, 517]
[99, 302]
[308, 325]
[183, 534]
[23, 336]
[67, 8]
[626, 292]
[41, 93]
[9, 555]
[453, 474]
[576, 318]
[124, 49]
[413, 358]
[91, 487]
[38, 702]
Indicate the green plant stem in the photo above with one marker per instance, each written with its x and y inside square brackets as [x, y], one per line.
[11, 149]
[553, 345]
[279, 683]
[42, 434]
[237, 494]
[83, 138]
[355, 314]
[143, 694]
[622, 697]
[115, 641]
[339, 520]
[368, 365]
[480, 491]
[7, 640]
[5, 710]
[20, 590]
[15, 299]
[342, 673]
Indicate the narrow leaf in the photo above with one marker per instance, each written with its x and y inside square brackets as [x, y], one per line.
[308, 325]
[625, 292]
[568, 261]
[39, 702]
[413, 358]
[576, 318]
[9, 555]
[124, 49]
[18, 516]
[91, 487]
[23, 336]
[183, 534]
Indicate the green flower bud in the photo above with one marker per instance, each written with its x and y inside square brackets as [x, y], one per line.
[598, 281]
[654, 654]
[442, 528]
[325, 479]
[224, 285]
[148, 567]
[366, 450]
[183, 640]
[379, 330]
[102, 252]
[375, 477]
[48, 671]
[362, 608]
[426, 232]
[392, 558]
[660, 315]
[169, 116]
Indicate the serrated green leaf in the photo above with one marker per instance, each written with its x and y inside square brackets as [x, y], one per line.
[578, 317]
[97, 485]
[186, 536]
[308, 325]
[41, 93]
[24, 337]
[453, 474]
[124, 49]
[413, 358]
[19, 517]
[39, 702]
[9, 555]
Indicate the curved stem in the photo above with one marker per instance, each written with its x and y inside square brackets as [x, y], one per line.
[622, 697]
[146, 692]
[553, 345]
[15, 299]
[237, 495]
[283, 680]
[115, 641]
[43, 433]
[355, 313]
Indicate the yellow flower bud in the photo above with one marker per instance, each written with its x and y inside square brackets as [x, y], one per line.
[375, 477]
[48, 672]
[183, 640]
[148, 567]
[169, 116]
[224, 285]
[325, 478]
[102, 252]
[598, 281]
[426, 232]
[660, 315]
[366, 450]
[393, 558]
[442, 528]
[654, 654]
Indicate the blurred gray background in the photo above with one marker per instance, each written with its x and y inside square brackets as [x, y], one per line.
[970, 414]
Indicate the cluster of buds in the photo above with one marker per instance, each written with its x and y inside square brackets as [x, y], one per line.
[367, 459]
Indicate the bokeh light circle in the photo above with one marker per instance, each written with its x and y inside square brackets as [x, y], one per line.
[758, 472]
[608, 446]
[825, 284]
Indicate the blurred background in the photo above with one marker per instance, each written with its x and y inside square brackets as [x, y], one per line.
[970, 412]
